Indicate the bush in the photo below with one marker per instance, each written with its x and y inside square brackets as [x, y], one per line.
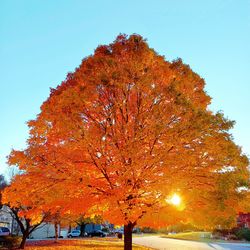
[10, 242]
[105, 230]
[243, 233]
[221, 232]
[231, 237]
[225, 234]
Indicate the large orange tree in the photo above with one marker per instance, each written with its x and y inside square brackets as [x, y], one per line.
[129, 128]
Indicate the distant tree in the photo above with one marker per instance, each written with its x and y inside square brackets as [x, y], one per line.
[84, 220]
[129, 128]
[3, 184]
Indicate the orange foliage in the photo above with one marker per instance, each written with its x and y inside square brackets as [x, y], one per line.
[125, 130]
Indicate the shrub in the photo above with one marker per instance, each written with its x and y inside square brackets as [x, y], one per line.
[10, 242]
[243, 233]
[221, 232]
[231, 237]
[105, 230]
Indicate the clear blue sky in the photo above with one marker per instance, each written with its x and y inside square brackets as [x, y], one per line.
[42, 40]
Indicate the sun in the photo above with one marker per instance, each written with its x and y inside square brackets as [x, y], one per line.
[175, 200]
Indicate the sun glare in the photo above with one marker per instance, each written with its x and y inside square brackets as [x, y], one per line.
[175, 200]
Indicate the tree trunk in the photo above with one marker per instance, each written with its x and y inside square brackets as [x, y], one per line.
[56, 231]
[128, 228]
[82, 228]
[24, 238]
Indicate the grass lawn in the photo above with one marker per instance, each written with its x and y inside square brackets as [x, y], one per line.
[79, 245]
[200, 236]
[197, 236]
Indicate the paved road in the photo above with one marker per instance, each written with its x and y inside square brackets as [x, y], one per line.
[172, 244]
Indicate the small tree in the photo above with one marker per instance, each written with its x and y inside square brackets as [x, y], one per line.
[25, 206]
[55, 219]
[131, 128]
[84, 220]
[36, 197]
[27, 225]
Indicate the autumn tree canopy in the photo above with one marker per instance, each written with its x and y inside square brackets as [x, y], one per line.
[129, 128]
[26, 207]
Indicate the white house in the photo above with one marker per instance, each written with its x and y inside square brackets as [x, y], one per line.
[6, 220]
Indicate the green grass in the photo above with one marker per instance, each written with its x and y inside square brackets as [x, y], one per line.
[196, 236]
